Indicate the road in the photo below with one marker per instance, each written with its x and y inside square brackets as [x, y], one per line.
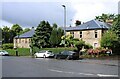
[40, 67]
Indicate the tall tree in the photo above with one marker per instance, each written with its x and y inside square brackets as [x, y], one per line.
[105, 17]
[55, 37]
[25, 30]
[42, 35]
[17, 29]
[110, 40]
[6, 34]
[116, 26]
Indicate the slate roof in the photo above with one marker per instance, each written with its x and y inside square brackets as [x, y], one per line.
[28, 34]
[90, 25]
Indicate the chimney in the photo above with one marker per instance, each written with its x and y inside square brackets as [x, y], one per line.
[32, 27]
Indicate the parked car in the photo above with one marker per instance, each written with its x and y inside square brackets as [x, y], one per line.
[67, 55]
[4, 53]
[44, 54]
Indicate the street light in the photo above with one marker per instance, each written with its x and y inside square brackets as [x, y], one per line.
[64, 21]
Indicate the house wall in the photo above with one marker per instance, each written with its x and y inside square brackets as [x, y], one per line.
[88, 36]
[22, 42]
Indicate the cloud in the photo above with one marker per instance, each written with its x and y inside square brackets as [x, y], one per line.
[88, 9]
[31, 12]
[5, 23]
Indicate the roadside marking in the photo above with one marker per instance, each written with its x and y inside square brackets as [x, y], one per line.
[70, 72]
[102, 75]
[88, 74]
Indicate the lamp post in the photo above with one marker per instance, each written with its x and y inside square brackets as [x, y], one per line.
[64, 22]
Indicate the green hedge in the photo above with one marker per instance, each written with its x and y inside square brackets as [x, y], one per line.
[26, 51]
[7, 46]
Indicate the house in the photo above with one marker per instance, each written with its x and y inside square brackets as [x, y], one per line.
[24, 40]
[90, 32]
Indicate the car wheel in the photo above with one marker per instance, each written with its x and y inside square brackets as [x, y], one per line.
[44, 56]
[35, 56]
[68, 57]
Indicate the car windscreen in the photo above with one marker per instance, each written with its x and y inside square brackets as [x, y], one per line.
[42, 51]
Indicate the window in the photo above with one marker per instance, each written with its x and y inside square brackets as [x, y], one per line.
[25, 40]
[72, 33]
[19, 40]
[95, 33]
[29, 40]
[15, 40]
[80, 34]
[95, 45]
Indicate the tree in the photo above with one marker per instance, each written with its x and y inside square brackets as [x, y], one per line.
[105, 17]
[116, 26]
[25, 30]
[42, 35]
[17, 29]
[77, 22]
[6, 34]
[110, 40]
[79, 44]
[55, 37]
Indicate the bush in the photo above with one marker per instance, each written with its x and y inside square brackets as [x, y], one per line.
[88, 46]
[7, 46]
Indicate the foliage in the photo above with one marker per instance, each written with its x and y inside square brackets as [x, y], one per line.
[17, 29]
[21, 52]
[109, 39]
[77, 22]
[116, 26]
[79, 44]
[88, 46]
[105, 17]
[8, 34]
[55, 37]
[25, 30]
[7, 46]
[26, 51]
[42, 35]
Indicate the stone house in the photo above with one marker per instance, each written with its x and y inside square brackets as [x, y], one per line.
[24, 40]
[90, 32]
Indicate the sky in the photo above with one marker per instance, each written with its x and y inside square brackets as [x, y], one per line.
[29, 13]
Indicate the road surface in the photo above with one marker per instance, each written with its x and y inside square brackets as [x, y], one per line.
[40, 67]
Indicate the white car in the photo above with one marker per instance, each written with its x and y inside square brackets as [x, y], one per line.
[3, 53]
[44, 54]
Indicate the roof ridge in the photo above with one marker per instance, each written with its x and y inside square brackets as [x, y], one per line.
[97, 23]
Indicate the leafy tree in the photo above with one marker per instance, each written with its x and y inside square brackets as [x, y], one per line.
[77, 22]
[105, 17]
[25, 30]
[79, 44]
[17, 29]
[110, 40]
[116, 26]
[42, 35]
[60, 33]
[6, 34]
[55, 37]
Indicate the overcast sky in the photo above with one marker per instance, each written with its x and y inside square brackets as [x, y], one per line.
[28, 13]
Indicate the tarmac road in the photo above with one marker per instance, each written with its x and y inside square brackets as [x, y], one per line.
[40, 67]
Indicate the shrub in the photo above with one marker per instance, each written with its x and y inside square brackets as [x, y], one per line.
[88, 46]
[7, 46]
